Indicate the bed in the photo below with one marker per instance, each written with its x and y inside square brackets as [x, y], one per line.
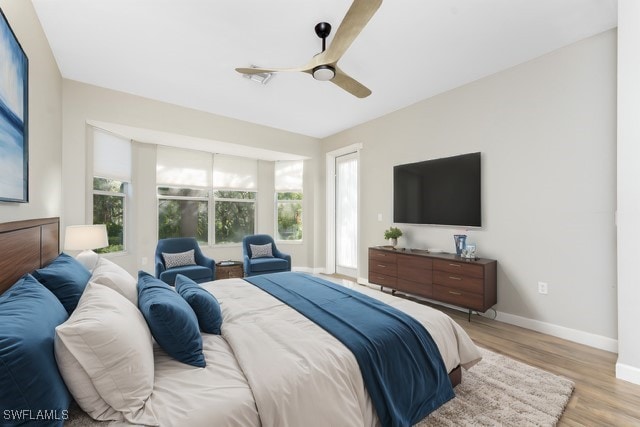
[270, 365]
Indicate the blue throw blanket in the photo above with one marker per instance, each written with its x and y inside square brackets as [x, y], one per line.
[400, 363]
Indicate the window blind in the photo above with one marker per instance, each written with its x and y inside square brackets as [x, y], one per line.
[179, 167]
[288, 175]
[235, 173]
[111, 156]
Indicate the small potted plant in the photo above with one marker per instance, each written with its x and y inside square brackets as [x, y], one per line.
[392, 235]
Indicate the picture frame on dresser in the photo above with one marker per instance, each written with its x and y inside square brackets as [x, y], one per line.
[14, 117]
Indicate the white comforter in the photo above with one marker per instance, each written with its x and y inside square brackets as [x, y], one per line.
[301, 375]
[274, 367]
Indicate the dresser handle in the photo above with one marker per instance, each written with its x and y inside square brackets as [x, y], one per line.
[454, 278]
[455, 293]
[383, 266]
[455, 265]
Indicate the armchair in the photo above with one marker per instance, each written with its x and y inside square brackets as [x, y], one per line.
[263, 265]
[204, 269]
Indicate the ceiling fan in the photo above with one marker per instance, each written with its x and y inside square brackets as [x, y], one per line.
[324, 66]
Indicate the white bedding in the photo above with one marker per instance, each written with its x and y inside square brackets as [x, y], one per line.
[300, 374]
[274, 367]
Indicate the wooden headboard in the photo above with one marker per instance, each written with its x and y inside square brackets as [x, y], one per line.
[26, 246]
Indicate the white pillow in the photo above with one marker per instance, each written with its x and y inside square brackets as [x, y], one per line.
[81, 387]
[179, 259]
[110, 274]
[261, 251]
[109, 339]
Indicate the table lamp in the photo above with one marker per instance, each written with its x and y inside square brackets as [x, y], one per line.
[85, 238]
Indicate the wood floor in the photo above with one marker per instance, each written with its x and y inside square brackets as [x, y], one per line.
[599, 399]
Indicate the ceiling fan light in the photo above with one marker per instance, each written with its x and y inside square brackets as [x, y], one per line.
[324, 72]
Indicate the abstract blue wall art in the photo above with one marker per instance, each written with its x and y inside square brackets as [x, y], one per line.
[14, 93]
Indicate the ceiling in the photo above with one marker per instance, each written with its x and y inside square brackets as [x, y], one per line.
[184, 51]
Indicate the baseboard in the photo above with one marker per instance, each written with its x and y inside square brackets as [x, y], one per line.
[628, 373]
[581, 337]
[317, 270]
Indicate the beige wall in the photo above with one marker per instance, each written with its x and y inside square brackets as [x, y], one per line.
[83, 103]
[45, 118]
[547, 133]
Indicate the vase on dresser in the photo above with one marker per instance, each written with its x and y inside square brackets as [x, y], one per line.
[393, 242]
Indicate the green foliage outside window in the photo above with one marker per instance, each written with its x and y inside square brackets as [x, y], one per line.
[183, 218]
[234, 215]
[109, 209]
[289, 216]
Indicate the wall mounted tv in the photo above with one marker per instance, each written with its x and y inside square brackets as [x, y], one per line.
[441, 192]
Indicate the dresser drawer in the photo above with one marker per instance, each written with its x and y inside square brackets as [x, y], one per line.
[381, 279]
[462, 268]
[418, 262]
[421, 289]
[382, 256]
[415, 274]
[383, 267]
[458, 297]
[415, 269]
[458, 281]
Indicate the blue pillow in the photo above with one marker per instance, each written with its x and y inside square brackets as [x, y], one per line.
[171, 320]
[29, 378]
[204, 304]
[66, 278]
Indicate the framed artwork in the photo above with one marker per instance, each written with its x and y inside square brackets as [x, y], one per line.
[14, 95]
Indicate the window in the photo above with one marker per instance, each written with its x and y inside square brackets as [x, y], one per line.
[235, 215]
[288, 185]
[183, 212]
[111, 177]
[109, 197]
[235, 184]
[195, 199]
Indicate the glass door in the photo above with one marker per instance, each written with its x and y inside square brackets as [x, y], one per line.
[347, 215]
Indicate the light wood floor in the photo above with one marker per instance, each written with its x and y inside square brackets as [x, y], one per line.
[599, 399]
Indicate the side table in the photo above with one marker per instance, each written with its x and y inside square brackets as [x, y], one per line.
[229, 269]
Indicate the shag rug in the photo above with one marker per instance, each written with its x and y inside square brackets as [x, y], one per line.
[499, 391]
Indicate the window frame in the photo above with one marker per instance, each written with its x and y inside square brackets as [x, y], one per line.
[211, 200]
[125, 209]
[206, 198]
[277, 201]
[215, 199]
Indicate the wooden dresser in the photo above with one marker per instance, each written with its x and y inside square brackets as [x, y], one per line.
[447, 278]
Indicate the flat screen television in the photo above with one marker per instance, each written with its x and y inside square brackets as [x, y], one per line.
[440, 192]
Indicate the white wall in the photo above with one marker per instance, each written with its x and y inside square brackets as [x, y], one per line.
[628, 366]
[45, 118]
[547, 133]
[83, 103]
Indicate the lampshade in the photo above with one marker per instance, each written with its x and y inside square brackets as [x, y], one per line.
[83, 237]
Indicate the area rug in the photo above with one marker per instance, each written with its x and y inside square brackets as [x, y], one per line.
[500, 391]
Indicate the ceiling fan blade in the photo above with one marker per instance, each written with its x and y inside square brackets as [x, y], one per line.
[349, 84]
[267, 70]
[354, 21]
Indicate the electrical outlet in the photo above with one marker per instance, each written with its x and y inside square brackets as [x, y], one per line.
[543, 288]
[379, 217]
